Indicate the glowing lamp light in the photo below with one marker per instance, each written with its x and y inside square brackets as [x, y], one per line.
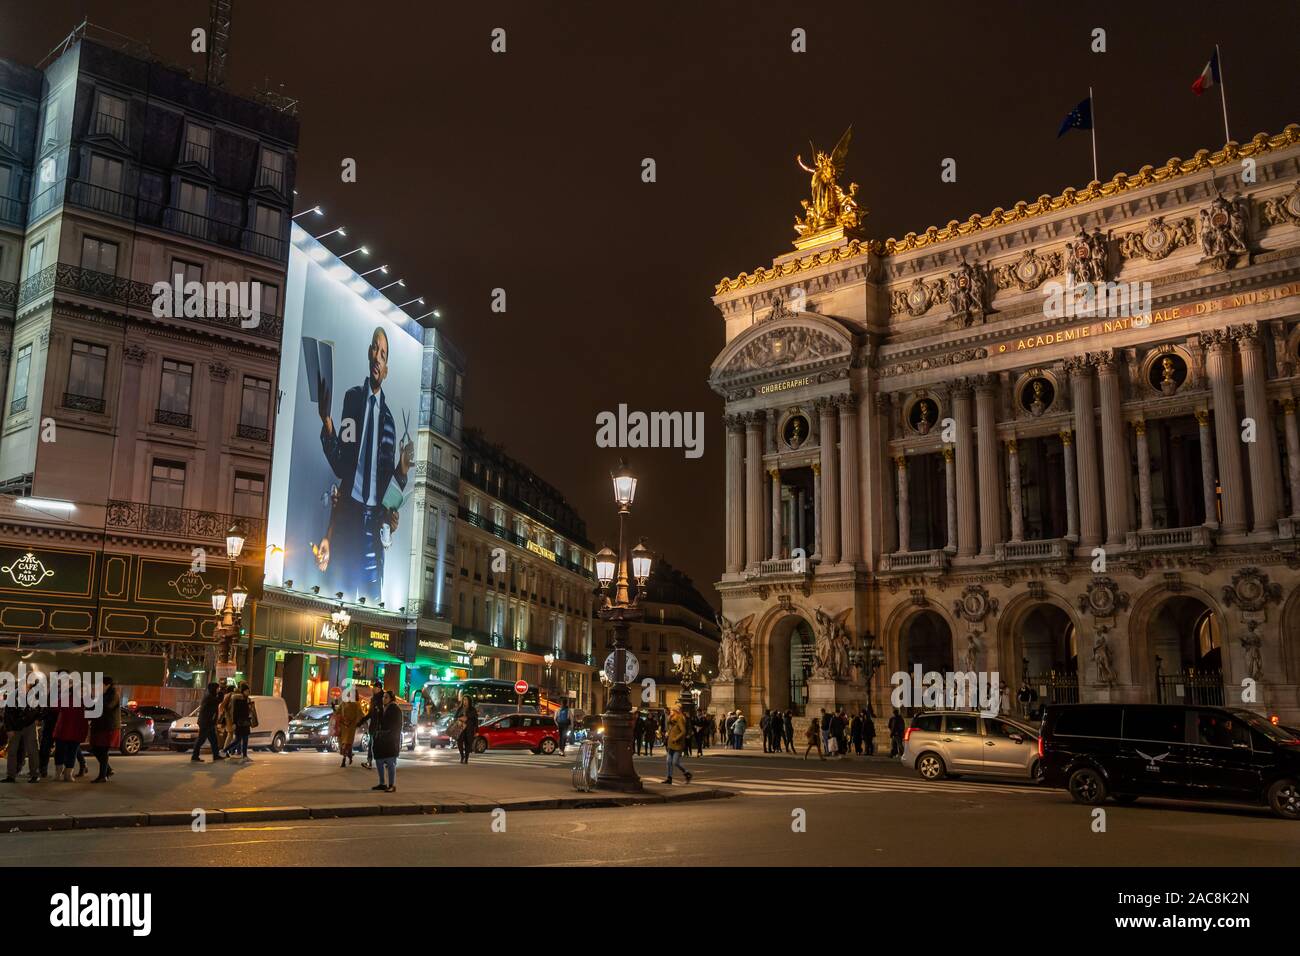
[677, 659]
[641, 560]
[624, 485]
[239, 597]
[218, 600]
[234, 541]
[605, 561]
[697, 658]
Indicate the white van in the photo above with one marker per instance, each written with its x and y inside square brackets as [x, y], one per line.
[271, 732]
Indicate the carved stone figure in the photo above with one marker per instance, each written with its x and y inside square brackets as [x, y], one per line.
[966, 294]
[971, 658]
[1251, 590]
[1038, 406]
[1103, 598]
[1101, 657]
[1168, 384]
[1223, 227]
[1085, 258]
[831, 652]
[734, 654]
[1253, 644]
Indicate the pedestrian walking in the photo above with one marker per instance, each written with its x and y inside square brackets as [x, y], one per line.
[814, 738]
[869, 732]
[825, 724]
[106, 729]
[49, 715]
[896, 727]
[208, 723]
[738, 731]
[651, 731]
[20, 725]
[842, 731]
[562, 723]
[373, 716]
[675, 742]
[788, 724]
[727, 720]
[349, 716]
[70, 729]
[855, 733]
[243, 713]
[226, 722]
[699, 733]
[765, 724]
[467, 721]
[386, 741]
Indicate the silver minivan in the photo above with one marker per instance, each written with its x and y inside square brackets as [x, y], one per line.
[949, 743]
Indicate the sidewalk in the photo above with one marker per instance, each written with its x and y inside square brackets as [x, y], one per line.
[166, 790]
[757, 751]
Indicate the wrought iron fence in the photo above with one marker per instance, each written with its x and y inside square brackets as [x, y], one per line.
[253, 433]
[164, 416]
[83, 403]
[1201, 688]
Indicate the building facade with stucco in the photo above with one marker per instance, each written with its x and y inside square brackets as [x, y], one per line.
[1057, 442]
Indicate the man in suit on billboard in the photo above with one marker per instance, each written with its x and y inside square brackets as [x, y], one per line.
[365, 459]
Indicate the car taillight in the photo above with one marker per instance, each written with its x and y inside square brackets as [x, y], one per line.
[1041, 747]
[907, 734]
[149, 721]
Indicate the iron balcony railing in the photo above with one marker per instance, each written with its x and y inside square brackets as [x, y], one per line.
[165, 416]
[13, 212]
[83, 403]
[253, 433]
[129, 293]
[182, 522]
[519, 541]
[271, 177]
[196, 153]
[444, 477]
[102, 199]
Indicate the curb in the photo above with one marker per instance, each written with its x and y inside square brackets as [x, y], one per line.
[164, 818]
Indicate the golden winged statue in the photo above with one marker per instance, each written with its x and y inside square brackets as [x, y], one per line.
[829, 205]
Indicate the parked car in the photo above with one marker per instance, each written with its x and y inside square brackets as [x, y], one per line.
[533, 732]
[361, 743]
[271, 732]
[1126, 751]
[137, 733]
[433, 730]
[949, 743]
[162, 717]
[592, 725]
[310, 729]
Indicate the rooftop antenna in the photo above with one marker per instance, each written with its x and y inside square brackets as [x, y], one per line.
[218, 41]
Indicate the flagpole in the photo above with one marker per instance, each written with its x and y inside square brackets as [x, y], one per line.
[1092, 107]
[1223, 95]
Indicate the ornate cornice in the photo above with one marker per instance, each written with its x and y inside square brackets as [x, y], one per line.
[1231, 154]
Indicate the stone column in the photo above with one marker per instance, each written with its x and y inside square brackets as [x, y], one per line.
[817, 510]
[830, 473]
[1207, 468]
[1292, 454]
[753, 489]
[800, 507]
[1071, 488]
[1085, 452]
[1013, 480]
[950, 493]
[904, 513]
[990, 493]
[776, 513]
[1114, 451]
[967, 533]
[735, 493]
[850, 515]
[1144, 474]
[1265, 496]
[1218, 346]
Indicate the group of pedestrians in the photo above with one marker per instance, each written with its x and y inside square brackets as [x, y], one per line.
[227, 716]
[778, 731]
[35, 734]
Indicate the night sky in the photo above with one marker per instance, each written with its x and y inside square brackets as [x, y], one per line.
[522, 171]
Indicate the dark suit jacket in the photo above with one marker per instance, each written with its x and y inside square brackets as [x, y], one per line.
[343, 456]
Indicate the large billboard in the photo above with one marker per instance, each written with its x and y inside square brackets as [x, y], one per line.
[343, 472]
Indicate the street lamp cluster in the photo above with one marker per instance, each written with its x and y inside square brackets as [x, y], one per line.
[616, 770]
[687, 669]
[228, 603]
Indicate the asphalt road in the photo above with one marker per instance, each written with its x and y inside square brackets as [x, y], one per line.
[789, 812]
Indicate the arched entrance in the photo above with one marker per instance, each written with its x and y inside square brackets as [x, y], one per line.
[790, 653]
[1048, 654]
[927, 641]
[1186, 638]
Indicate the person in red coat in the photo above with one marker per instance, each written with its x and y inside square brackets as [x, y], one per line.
[106, 729]
[70, 729]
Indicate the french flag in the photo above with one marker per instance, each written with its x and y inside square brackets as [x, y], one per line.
[1209, 76]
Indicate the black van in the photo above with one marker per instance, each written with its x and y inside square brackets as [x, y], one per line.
[1170, 750]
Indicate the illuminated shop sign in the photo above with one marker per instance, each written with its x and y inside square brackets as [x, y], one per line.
[784, 386]
[28, 571]
[538, 549]
[379, 640]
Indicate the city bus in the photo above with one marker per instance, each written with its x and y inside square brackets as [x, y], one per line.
[491, 697]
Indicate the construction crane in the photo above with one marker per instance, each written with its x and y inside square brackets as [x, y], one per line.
[218, 41]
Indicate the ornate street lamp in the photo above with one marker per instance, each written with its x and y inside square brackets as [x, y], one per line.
[619, 611]
[687, 668]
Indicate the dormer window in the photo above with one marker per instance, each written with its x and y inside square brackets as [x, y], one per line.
[198, 145]
[110, 116]
[8, 124]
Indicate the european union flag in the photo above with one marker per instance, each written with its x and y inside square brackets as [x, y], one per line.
[1078, 118]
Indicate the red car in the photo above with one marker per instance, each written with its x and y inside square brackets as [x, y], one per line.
[533, 732]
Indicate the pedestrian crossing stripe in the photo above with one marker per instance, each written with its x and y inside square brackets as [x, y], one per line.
[798, 786]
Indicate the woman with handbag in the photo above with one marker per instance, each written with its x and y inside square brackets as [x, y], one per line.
[467, 720]
[244, 715]
[349, 716]
[106, 729]
[387, 735]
